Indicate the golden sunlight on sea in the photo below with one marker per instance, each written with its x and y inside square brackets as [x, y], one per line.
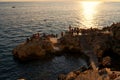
[89, 10]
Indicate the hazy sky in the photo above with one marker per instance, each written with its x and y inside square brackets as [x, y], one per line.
[57, 0]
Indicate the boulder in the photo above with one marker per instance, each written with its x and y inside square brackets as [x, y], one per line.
[106, 61]
[71, 76]
[33, 49]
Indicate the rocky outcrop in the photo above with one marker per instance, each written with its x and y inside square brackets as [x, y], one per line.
[90, 74]
[70, 44]
[106, 43]
[115, 29]
[45, 46]
[33, 48]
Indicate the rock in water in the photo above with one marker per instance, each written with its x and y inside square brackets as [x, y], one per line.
[33, 49]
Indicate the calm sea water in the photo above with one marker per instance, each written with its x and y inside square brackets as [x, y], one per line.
[50, 17]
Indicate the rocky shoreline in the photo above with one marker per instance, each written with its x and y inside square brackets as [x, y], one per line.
[104, 44]
[40, 46]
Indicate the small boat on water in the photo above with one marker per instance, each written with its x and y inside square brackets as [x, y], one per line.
[13, 6]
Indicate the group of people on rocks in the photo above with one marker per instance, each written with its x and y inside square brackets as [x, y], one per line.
[39, 36]
[50, 35]
[71, 31]
[34, 36]
[82, 31]
[116, 24]
[74, 30]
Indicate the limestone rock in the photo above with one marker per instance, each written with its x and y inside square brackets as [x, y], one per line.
[33, 49]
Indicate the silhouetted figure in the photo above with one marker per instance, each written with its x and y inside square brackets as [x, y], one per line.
[44, 35]
[38, 35]
[70, 27]
[62, 34]
[33, 36]
[72, 31]
[91, 28]
[27, 40]
[77, 31]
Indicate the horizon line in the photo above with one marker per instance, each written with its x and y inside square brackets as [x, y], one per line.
[58, 1]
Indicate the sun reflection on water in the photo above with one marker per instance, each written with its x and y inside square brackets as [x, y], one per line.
[89, 10]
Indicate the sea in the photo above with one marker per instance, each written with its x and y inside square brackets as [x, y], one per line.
[19, 20]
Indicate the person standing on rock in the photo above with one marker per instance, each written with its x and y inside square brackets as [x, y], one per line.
[70, 28]
[27, 40]
[62, 34]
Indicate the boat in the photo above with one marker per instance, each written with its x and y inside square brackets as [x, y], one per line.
[13, 6]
